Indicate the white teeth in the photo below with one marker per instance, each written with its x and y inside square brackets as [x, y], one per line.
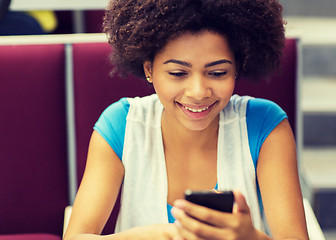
[196, 110]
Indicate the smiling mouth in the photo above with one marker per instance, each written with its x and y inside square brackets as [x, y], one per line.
[196, 110]
[196, 113]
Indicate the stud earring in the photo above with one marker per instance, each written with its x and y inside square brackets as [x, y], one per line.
[148, 79]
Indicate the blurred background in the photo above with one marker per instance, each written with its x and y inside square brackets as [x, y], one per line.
[314, 22]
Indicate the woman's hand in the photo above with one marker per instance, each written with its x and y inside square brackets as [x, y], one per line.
[197, 222]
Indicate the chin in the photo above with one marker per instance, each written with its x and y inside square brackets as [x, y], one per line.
[197, 126]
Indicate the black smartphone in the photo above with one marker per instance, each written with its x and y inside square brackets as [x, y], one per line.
[219, 200]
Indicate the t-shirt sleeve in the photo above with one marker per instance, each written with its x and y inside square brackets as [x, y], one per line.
[262, 116]
[112, 123]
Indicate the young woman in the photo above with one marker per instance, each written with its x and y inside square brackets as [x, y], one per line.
[193, 133]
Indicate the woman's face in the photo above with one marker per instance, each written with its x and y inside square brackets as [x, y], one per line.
[194, 78]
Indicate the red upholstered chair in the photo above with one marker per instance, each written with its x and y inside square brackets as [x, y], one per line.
[40, 236]
[33, 172]
[95, 90]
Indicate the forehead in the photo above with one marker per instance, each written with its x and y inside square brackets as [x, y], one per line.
[205, 44]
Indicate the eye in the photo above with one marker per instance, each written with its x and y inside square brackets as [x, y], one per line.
[177, 74]
[217, 73]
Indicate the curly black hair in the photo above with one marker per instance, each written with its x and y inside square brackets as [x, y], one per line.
[138, 29]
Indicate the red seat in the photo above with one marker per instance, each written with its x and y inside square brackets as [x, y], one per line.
[33, 173]
[281, 87]
[30, 237]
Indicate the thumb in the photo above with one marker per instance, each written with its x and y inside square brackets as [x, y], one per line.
[240, 203]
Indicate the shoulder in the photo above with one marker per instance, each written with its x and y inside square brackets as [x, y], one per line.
[145, 110]
[120, 107]
[143, 103]
[236, 107]
[114, 114]
[258, 108]
[111, 124]
[262, 116]
[136, 107]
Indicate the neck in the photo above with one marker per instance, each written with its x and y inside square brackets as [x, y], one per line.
[176, 135]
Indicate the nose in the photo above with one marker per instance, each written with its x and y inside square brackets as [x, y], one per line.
[198, 88]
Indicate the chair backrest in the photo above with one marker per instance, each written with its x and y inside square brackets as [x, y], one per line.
[33, 172]
[281, 88]
[95, 89]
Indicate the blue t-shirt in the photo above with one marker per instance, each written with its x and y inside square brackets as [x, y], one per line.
[262, 116]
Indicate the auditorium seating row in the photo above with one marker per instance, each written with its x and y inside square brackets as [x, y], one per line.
[52, 91]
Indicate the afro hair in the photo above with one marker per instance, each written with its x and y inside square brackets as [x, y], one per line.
[138, 29]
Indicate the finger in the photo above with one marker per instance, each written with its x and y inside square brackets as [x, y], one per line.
[178, 238]
[175, 232]
[189, 235]
[191, 228]
[184, 233]
[240, 203]
[204, 214]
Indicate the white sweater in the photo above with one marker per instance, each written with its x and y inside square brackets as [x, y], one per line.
[145, 190]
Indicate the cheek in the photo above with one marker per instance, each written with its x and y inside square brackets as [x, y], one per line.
[167, 91]
[225, 91]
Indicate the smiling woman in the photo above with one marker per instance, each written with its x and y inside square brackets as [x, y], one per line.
[193, 133]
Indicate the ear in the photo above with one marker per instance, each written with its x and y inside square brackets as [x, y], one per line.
[148, 69]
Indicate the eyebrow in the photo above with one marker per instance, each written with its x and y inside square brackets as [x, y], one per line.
[183, 63]
[186, 64]
[218, 62]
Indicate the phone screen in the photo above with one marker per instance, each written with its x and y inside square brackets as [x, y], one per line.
[220, 201]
